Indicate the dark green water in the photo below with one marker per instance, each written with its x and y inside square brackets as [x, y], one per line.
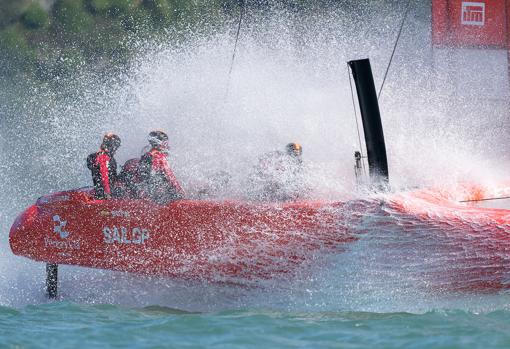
[70, 325]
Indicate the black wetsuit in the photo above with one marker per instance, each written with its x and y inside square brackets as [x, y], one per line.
[104, 172]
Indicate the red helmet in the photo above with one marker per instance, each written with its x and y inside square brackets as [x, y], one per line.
[111, 142]
[158, 139]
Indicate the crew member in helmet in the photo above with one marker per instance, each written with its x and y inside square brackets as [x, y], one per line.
[295, 151]
[103, 166]
[159, 182]
[294, 172]
[278, 176]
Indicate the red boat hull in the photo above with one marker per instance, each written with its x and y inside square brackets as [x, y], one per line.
[461, 246]
[471, 243]
[186, 238]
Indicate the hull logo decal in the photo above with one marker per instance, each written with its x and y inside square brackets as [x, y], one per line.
[59, 227]
[115, 213]
[123, 235]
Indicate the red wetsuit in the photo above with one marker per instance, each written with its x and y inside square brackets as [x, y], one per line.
[104, 172]
[155, 171]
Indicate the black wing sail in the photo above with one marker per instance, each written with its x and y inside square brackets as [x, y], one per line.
[371, 117]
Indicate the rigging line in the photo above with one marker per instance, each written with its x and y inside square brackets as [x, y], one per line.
[487, 199]
[394, 48]
[356, 118]
[241, 15]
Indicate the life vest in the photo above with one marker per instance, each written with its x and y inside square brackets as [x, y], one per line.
[158, 179]
[104, 172]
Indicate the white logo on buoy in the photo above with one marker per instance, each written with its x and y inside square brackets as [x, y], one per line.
[473, 13]
[59, 227]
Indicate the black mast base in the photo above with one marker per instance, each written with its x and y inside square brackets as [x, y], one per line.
[371, 117]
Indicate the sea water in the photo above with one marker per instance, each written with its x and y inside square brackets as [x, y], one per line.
[70, 325]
